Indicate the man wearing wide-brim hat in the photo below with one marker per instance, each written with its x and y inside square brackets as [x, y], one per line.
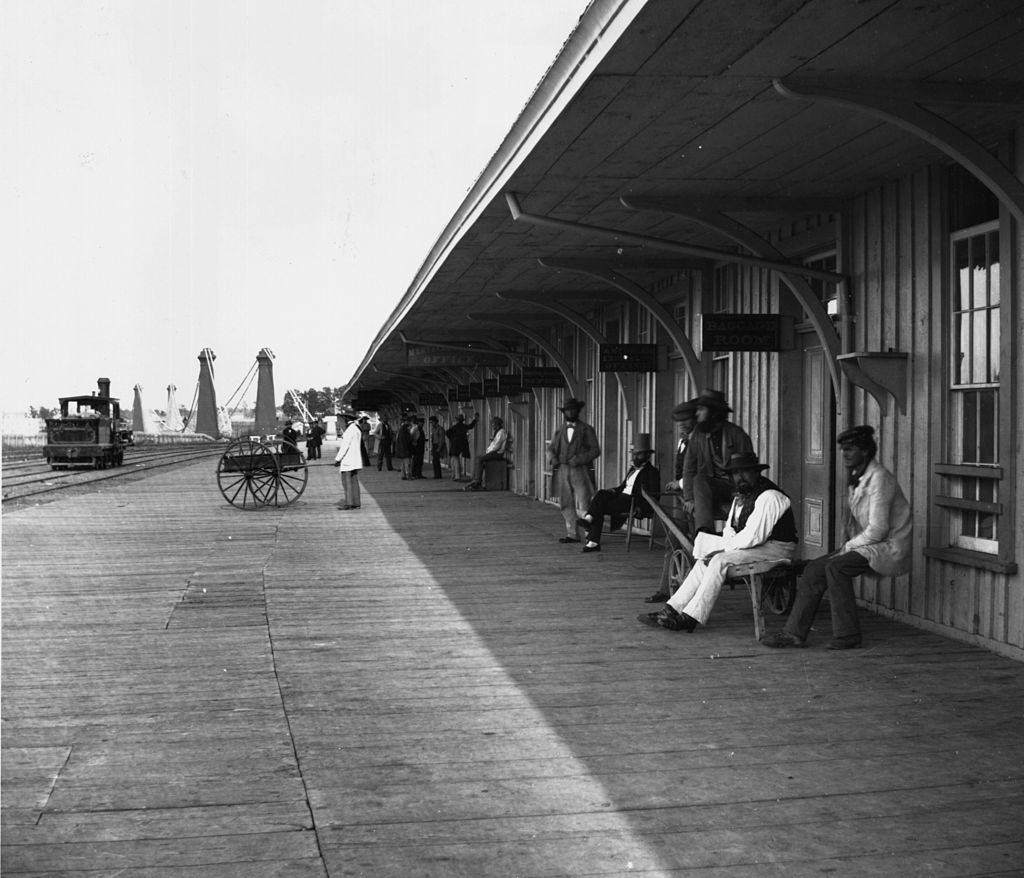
[760, 527]
[572, 450]
[618, 501]
[707, 486]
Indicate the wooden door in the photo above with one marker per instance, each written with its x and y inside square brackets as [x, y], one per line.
[812, 503]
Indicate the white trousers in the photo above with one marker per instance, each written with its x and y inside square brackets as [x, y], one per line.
[697, 595]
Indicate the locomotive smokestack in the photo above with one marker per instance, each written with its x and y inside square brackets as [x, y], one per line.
[104, 386]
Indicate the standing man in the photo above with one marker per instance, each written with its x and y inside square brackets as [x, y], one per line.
[618, 501]
[349, 460]
[760, 527]
[385, 444]
[315, 440]
[707, 486]
[419, 445]
[877, 525]
[458, 444]
[573, 449]
[684, 416]
[403, 447]
[438, 445]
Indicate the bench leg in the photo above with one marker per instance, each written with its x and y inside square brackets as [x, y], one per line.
[755, 585]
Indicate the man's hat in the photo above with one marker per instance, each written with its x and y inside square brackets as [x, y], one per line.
[432, 418]
[685, 411]
[642, 443]
[289, 421]
[350, 414]
[572, 403]
[713, 399]
[744, 460]
[861, 437]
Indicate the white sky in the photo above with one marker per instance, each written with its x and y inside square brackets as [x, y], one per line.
[237, 174]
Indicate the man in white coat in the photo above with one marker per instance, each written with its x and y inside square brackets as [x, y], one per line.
[349, 461]
[760, 527]
[877, 526]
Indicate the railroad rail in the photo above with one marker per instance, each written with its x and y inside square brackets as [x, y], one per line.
[24, 479]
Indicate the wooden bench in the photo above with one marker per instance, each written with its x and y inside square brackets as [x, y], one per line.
[771, 583]
[496, 474]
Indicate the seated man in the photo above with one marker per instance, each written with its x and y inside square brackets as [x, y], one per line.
[760, 527]
[878, 538]
[289, 438]
[495, 451]
[617, 501]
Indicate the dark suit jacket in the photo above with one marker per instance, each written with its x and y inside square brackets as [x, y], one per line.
[700, 459]
[649, 478]
[581, 451]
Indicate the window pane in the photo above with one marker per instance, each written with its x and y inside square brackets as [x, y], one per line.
[993, 263]
[969, 436]
[961, 275]
[988, 434]
[994, 347]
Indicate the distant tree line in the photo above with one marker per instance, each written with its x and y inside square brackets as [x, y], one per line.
[320, 403]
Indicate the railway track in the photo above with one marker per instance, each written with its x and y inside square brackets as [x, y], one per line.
[24, 478]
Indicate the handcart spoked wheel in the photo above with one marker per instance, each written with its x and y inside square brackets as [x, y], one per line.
[252, 473]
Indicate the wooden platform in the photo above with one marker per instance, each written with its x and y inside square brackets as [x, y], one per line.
[433, 686]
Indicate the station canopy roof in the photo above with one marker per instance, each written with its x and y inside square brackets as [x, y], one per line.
[656, 112]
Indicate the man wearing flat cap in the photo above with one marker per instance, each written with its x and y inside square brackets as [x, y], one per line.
[707, 486]
[684, 416]
[877, 524]
[573, 449]
[760, 527]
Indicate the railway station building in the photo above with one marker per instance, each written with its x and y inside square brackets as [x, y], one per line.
[813, 206]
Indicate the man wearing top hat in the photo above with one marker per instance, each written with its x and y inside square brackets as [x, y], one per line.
[760, 527]
[684, 416]
[707, 487]
[617, 501]
[573, 449]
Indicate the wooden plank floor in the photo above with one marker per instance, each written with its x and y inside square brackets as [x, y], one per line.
[433, 686]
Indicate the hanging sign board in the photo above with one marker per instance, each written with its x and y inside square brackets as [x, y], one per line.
[747, 332]
[463, 394]
[491, 388]
[428, 398]
[542, 376]
[629, 357]
[476, 390]
[418, 355]
[510, 384]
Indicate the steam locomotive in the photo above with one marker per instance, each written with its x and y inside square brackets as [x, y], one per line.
[90, 431]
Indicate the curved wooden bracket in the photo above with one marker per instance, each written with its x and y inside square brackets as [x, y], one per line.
[883, 374]
[900, 105]
[636, 292]
[577, 320]
[541, 342]
[749, 239]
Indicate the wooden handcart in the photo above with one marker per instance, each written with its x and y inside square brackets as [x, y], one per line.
[772, 584]
[254, 473]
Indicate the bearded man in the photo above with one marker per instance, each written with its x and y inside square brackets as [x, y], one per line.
[760, 527]
[707, 488]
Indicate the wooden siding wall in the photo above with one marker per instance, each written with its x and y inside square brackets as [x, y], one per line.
[896, 258]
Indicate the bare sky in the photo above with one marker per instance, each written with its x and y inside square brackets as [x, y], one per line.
[182, 174]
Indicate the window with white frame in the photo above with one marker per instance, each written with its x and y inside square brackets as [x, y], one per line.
[973, 474]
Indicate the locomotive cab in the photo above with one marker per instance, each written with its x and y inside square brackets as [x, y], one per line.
[90, 432]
